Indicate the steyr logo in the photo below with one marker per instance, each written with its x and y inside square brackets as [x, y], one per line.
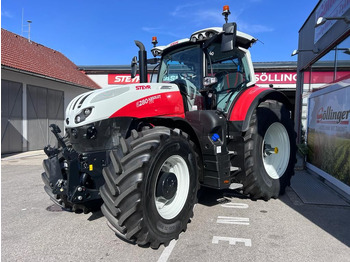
[143, 87]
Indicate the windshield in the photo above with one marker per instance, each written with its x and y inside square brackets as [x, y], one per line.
[230, 70]
[184, 64]
[184, 67]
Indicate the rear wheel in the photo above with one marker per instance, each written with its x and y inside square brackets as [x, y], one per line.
[151, 186]
[269, 151]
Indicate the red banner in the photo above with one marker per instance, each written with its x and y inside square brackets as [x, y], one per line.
[261, 78]
[291, 77]
[123, 79]
[276, 77]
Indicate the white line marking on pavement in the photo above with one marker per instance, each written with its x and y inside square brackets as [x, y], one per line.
[167, 251]
[232, 240]
[233, 220]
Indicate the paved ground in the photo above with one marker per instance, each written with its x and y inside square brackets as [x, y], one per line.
[226, 226]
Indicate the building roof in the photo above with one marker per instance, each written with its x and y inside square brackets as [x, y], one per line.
[27, 56]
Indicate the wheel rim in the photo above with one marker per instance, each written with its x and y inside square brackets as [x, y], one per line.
[276, 150]
[170, 208]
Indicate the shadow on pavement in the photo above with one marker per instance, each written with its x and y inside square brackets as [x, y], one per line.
[94, 215]
[212, 197]
[308, 196]
[320, 204]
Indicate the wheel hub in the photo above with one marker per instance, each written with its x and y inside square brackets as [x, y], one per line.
[276, 150]
[167, 185]
[268, 150]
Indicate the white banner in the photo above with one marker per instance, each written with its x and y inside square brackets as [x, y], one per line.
[328, 136]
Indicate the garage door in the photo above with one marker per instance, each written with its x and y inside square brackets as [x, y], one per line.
[44, 107]
[11, 117]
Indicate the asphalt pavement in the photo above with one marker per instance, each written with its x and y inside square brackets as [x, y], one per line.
[311, 222]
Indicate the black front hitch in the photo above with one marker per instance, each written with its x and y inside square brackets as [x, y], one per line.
[72, 179]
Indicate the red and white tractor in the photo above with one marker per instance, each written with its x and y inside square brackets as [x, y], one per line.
[146, 148]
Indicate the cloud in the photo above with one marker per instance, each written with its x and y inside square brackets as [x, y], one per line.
[213, 17]
[158, 31]
[204, 16]
[193, 16]
[182, 10]
[150, 29]
[6, 14]
[253, 28]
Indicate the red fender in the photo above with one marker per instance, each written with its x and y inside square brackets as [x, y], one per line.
[246, 102]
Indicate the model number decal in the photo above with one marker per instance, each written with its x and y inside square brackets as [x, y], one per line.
[143, 87]
[148, 100]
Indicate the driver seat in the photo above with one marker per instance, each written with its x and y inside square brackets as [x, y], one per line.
[229, 80]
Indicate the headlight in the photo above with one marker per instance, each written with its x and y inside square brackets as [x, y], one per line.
[83, 115]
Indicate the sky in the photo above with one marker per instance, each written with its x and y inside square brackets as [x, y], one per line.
[91, 32]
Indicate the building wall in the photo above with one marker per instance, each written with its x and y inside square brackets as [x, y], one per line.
[100, 79]
[322, 38]
[36, 96]
[315, 43]
[318, 45]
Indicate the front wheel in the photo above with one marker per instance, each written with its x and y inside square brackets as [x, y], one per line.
[151, 186]
[269, 151]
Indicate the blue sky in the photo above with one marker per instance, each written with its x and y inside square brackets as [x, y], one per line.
[103, 32]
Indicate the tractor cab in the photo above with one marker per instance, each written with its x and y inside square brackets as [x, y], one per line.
[210, 67]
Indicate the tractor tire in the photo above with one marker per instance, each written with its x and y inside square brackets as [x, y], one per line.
[269, 151]
[151, 186]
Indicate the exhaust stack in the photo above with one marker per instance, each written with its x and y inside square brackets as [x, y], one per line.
[142, 62]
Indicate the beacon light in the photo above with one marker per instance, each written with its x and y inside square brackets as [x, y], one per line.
[226, 12]
[154, 41]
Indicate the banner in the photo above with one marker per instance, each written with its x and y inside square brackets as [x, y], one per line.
[328, 135]
[123, 79]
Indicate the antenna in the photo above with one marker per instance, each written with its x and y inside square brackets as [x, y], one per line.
[22, 21]
[29, 22]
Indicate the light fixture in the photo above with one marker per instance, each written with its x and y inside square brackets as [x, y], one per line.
[321, 20]
[347, 51]
[315, 51]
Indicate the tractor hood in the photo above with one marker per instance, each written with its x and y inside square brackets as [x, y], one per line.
[134, 100]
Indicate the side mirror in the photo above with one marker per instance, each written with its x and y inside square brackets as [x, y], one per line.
[133, 67]
[228, 41]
